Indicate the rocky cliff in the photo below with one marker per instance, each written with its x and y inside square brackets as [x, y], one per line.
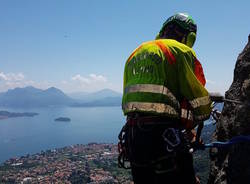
[232, 165]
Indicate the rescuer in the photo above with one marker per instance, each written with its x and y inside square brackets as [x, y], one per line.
[164, 99]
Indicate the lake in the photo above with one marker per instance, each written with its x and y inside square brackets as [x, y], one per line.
[28, 135]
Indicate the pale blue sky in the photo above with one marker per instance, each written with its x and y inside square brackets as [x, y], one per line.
[82, 45]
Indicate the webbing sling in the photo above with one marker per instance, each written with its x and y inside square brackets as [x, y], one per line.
[234, 140]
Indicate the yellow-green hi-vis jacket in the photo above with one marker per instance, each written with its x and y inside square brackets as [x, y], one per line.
[159, 75]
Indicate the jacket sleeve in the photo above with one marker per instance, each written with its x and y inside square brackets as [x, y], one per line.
[192, 89]
[198, 71]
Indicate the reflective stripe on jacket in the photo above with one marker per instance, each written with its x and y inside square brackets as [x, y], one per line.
[158, 75]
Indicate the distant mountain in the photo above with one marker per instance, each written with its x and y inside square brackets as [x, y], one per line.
[33, 97]
[79, 95]
[108, 101]
[30, 97]
[86, 97]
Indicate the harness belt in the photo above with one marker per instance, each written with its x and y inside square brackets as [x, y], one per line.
[138, 119]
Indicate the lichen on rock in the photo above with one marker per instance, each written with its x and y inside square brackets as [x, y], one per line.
[232, 165]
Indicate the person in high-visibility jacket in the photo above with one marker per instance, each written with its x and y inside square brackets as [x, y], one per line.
[163, 97]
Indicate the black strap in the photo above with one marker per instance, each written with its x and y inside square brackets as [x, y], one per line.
[123, 157]
[137, 119]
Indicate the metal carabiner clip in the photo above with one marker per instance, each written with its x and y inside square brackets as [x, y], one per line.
[171, 136]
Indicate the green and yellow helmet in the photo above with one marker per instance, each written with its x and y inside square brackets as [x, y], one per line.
[186, 22]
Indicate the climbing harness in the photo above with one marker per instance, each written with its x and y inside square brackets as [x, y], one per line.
[172, 137]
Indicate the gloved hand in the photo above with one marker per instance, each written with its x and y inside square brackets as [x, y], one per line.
[198, 145]
[190, 141]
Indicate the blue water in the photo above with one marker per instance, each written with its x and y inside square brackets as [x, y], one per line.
[27, 135]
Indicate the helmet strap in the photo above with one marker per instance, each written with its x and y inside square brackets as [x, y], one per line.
[190, 39]
[184, 39]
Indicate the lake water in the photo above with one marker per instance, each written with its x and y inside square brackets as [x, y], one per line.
[27, 135]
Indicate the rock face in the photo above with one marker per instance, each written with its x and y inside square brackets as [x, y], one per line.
[232, 165]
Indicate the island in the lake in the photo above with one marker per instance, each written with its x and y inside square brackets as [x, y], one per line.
[6, 114]
[64, 119]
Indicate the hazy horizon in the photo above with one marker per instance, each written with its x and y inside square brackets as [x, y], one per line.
[87, 92]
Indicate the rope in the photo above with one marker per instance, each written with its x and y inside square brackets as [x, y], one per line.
[234, 140]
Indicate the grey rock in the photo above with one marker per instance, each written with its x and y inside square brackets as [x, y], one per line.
[232, 165]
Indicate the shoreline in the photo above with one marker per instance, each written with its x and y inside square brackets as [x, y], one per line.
[6, 114]
[3, 117]
[52, 150]
[93, 162]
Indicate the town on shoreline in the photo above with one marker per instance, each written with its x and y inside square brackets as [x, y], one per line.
[92, 163]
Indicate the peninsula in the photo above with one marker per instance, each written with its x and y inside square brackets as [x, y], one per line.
[6, 114]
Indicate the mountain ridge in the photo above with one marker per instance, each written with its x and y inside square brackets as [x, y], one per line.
[34, 97]
[97, 95]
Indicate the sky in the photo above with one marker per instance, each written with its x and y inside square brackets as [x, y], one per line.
[82, 45]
